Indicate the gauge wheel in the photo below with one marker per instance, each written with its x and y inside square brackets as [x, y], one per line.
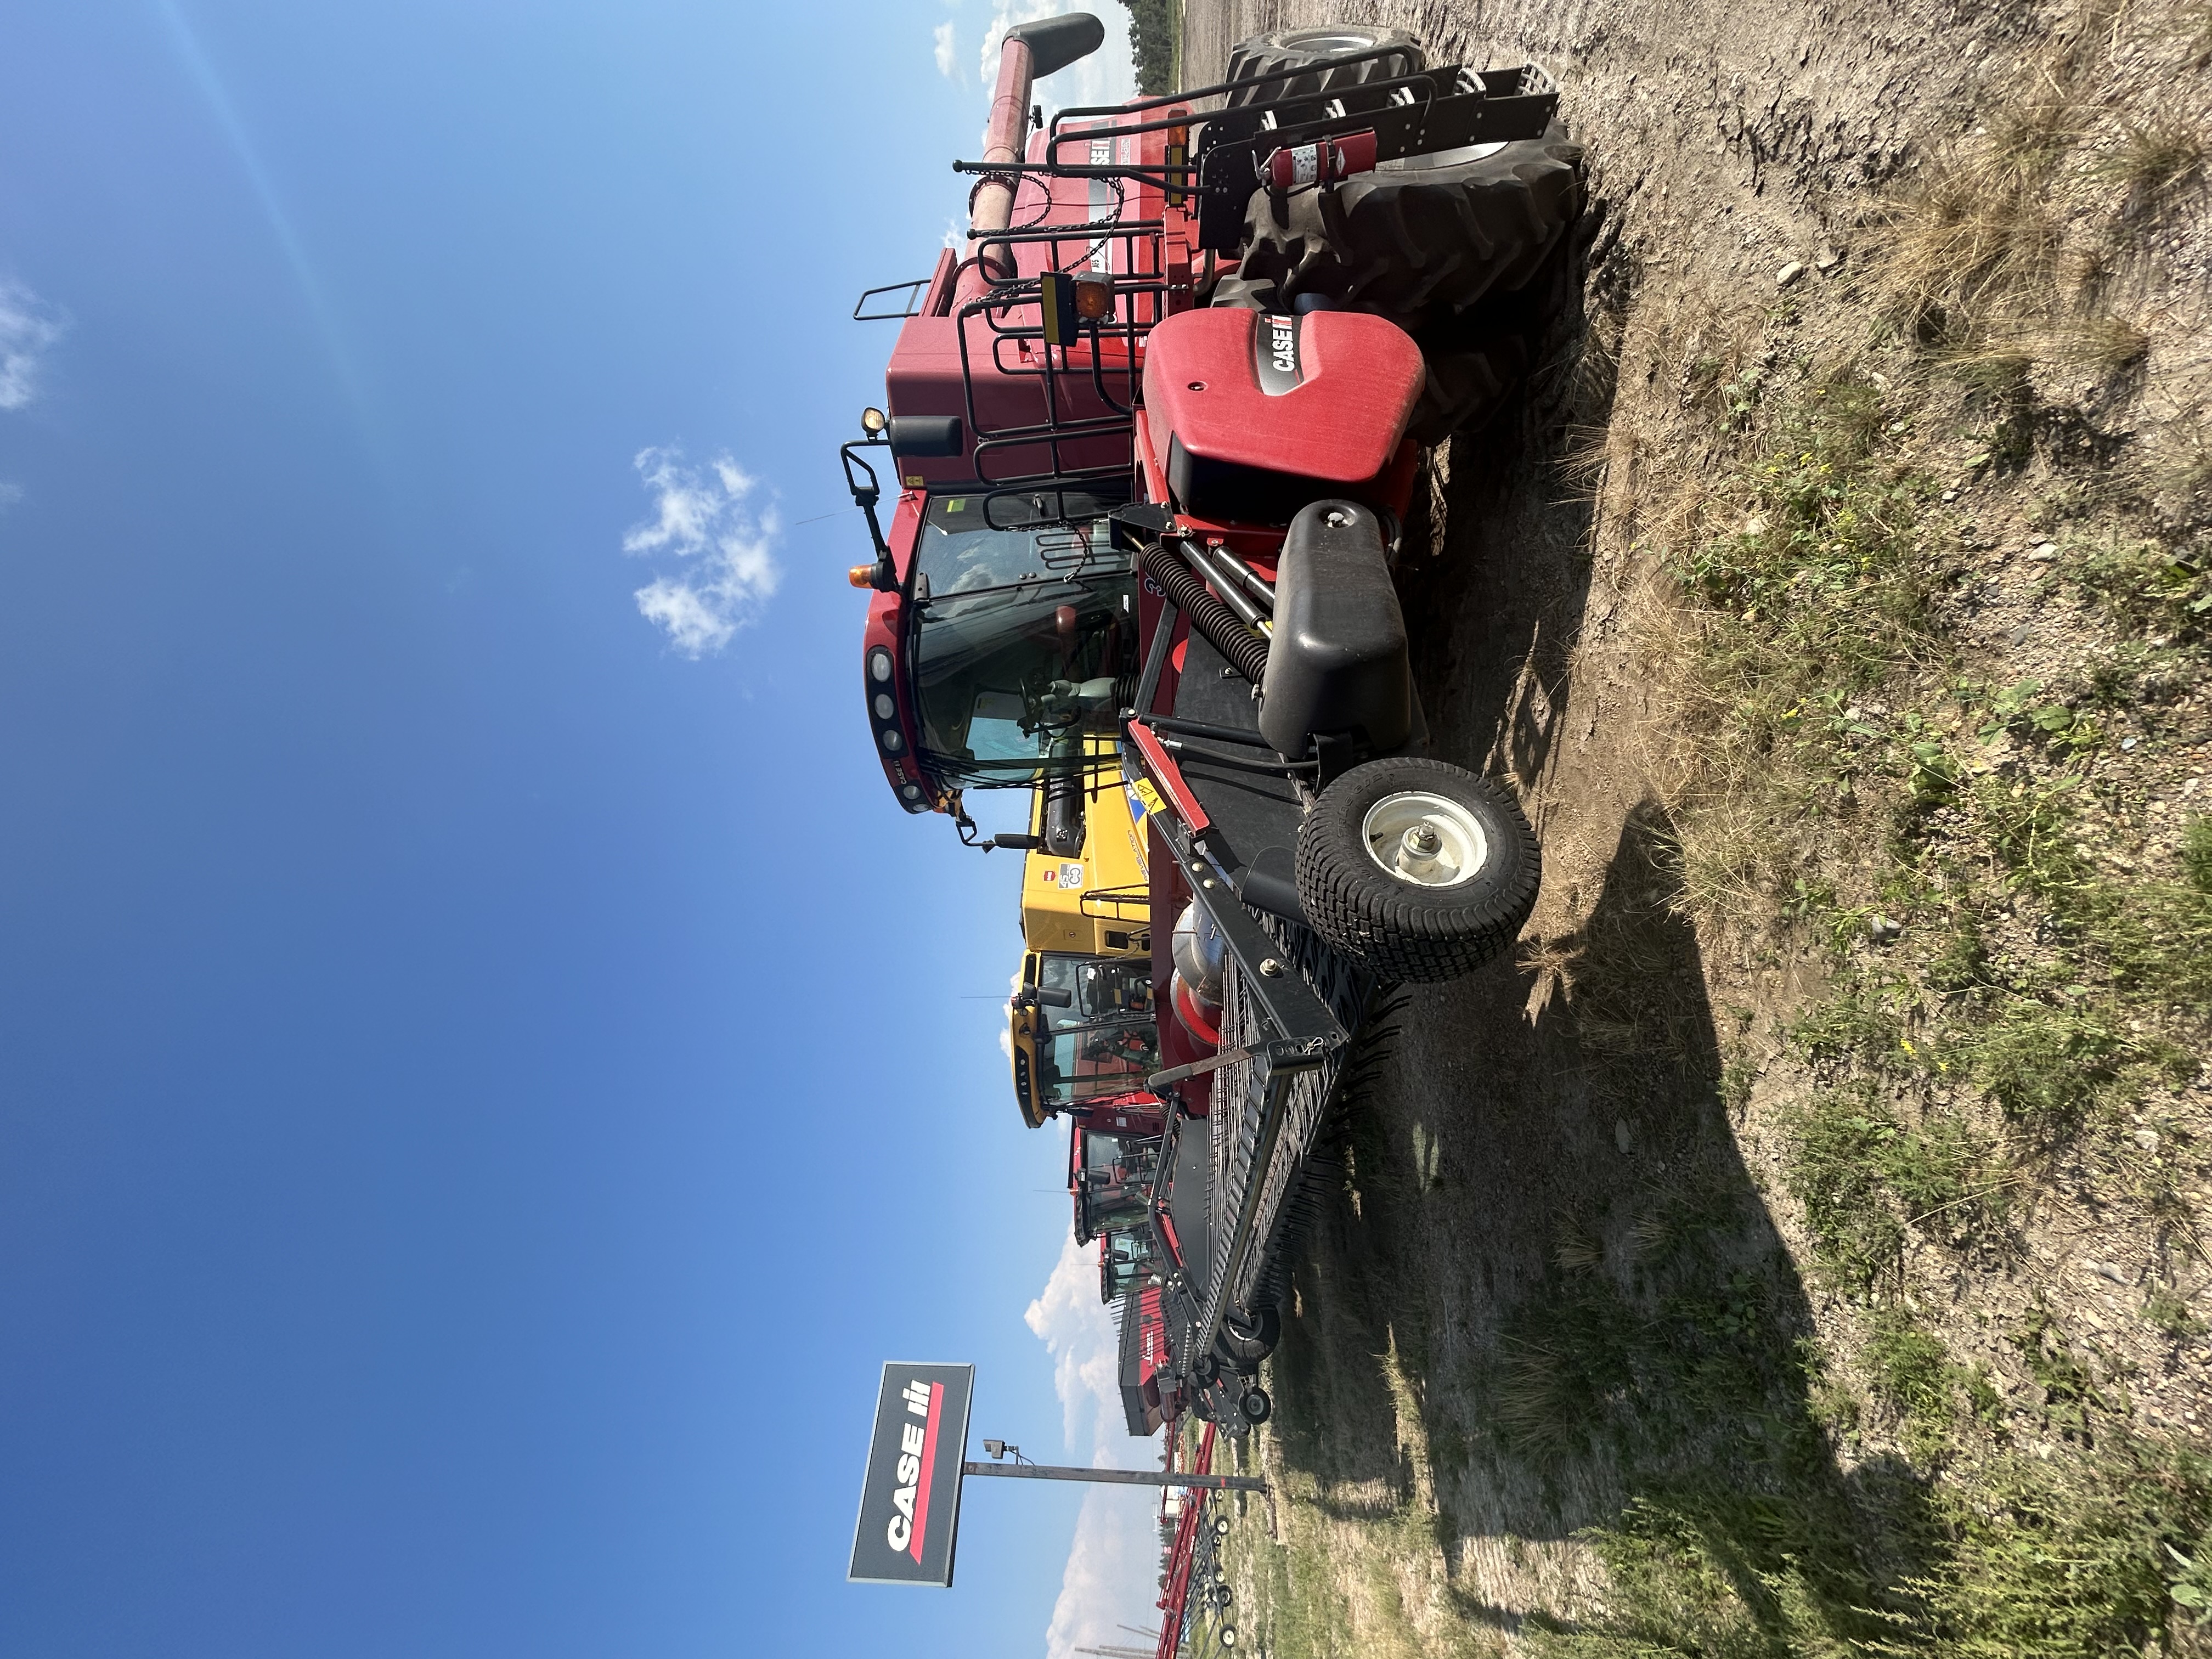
[1317, 48]
[1228, 1636]
[1416, 869]
[1242, 1345]
[1254, 1406]
[1221, 1526]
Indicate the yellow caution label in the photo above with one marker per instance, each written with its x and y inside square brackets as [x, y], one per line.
[1142, 789]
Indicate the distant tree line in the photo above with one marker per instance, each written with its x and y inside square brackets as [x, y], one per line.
[1153, 25]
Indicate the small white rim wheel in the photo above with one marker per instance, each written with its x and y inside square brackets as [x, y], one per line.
[1424, 840]
[1229, 1636]
[1221, 1526]
[1327, 43]
[1425, 910]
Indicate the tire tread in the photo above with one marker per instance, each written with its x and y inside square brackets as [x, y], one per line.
[1390, 926]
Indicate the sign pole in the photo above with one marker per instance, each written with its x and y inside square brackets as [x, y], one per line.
[909, 1516]
[1118, 1477]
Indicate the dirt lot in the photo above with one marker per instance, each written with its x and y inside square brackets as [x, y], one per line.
[1715, 1277]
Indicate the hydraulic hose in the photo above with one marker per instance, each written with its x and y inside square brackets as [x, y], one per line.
[1244, 651]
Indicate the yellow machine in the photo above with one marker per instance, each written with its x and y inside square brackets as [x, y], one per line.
[1081, 1021]
[1096, 902]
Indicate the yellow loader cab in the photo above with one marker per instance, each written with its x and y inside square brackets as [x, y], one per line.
[1082, 1020]
[1084, 1033]
[1095, 902]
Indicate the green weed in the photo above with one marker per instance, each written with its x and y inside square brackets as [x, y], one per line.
[2075, 1559]
[2143, 587]
[1913, 1371]
[2167, 1310]
[1863, 1178]
[2047, 1066]
[1835, 1170]
[2196, 853]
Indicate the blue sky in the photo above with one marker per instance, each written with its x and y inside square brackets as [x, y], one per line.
[485, 1078]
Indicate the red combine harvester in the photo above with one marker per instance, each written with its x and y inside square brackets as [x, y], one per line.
[1154, 434]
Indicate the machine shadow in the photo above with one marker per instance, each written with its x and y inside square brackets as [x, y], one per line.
[1548, 1294]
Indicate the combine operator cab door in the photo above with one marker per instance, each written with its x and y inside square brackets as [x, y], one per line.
[1099, 1034]
[1125, 1264]
[1083, 1030]
[1111, 1177]
[1023, 616]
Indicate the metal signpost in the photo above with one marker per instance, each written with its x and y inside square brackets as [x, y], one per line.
[910, 1496]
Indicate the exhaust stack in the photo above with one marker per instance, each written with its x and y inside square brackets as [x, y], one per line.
[1031, 51]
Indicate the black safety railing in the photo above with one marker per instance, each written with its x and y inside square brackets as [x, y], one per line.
[1117, 904]
[1088, 384]
[1089, 387]
[914, 291]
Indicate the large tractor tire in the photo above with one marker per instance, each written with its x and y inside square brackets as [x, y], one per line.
[1290, 49]
[1417, 870]
[1468, 375]
[1446, 230]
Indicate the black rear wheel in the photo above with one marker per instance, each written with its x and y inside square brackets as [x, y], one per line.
[1451, 228]
[1316, 49]
[1416, 869]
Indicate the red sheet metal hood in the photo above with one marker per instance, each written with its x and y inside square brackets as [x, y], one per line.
[1323, 396]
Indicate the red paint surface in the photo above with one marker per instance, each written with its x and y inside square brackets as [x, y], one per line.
[1341, 422]
[928, 1467]
[1168, 776]
[1187, 1011]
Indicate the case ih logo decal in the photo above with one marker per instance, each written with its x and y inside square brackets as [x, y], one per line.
[910, 1498]
[1275, 339]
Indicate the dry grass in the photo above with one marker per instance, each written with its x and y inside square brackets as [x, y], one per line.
[2005, 254]
[2154, 162]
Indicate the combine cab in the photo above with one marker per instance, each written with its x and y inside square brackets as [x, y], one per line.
[1151, 440]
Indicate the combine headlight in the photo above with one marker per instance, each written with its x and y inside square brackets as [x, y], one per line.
[885, 709]
[892, 742]
[879, 665]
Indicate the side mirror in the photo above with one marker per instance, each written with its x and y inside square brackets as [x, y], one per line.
[1016, 843]
[924, 437]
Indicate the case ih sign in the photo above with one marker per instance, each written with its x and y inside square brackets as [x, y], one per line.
[910, 1501]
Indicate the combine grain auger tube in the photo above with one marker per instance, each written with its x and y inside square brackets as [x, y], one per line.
[1137, 530]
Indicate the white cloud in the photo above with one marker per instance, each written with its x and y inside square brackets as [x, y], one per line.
[1108, 76]
[1113, 1572]
[1075, 1327]
[729, 569]
[28, 327]
[1006, 1047]
[948, 61]
[9, 495]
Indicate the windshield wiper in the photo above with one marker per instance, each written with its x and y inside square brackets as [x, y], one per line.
[1080, 576]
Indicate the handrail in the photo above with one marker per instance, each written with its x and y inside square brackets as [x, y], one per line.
[915, 290]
